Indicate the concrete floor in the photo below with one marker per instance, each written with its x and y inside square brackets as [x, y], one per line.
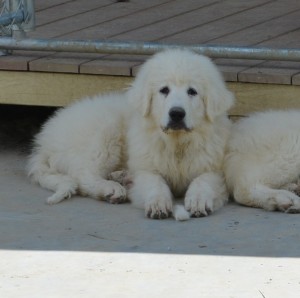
[86, 248]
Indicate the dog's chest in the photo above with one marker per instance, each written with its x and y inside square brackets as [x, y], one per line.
[179, 165]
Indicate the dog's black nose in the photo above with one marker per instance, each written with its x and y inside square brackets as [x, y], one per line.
[177, 114]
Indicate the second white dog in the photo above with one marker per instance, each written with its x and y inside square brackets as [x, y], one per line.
[170, 129]
[263, 161]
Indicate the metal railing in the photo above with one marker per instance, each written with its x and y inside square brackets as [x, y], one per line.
[145, 48]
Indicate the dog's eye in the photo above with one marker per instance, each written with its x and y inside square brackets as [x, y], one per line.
[164, 90]
[192, 92]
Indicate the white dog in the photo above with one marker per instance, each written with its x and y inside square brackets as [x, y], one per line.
[169, 129]
[263, 161]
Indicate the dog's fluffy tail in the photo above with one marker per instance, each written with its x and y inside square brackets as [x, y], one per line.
[180, 214]
[40, 172]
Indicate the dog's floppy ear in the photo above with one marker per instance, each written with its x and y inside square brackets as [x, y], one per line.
[140, 92]
[217, 98]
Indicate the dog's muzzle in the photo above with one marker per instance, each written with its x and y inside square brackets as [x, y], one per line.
[176, 119]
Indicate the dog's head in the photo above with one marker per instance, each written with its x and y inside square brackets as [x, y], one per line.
[178, 90]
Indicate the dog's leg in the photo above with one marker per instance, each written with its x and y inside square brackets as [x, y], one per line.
[100, 188]
[270, 199]
[151, 192]
[40, 172]
[62, 185]
[206, 194]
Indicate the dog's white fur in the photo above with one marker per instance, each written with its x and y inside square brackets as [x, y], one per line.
[82, 144]
[263, 161]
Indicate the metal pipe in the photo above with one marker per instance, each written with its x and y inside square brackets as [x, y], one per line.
[144, 48]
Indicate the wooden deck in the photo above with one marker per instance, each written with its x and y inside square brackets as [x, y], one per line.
[267, 23]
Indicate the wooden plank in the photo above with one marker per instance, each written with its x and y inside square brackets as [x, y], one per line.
[230, 68]
[268, 29]
[139, 19]
[90, 18]
[271, 72]
[287, 40]
[67, 10]
[108, 67]
[44, 4]
[48, 89]
[53, 64]
[14, 63]
[62, 62]
[260, 97]
[228, 24]
[20, 60]
[181, 24]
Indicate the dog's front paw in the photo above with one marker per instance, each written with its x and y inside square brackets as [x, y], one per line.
[114, 193]
[284, 201]
[159, 208]
[198, 206]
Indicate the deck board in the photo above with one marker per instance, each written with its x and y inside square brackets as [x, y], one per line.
[90, 17]
[190, 27]
[46, 4]
[68, 10]
[142, 20]
[223, 28]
